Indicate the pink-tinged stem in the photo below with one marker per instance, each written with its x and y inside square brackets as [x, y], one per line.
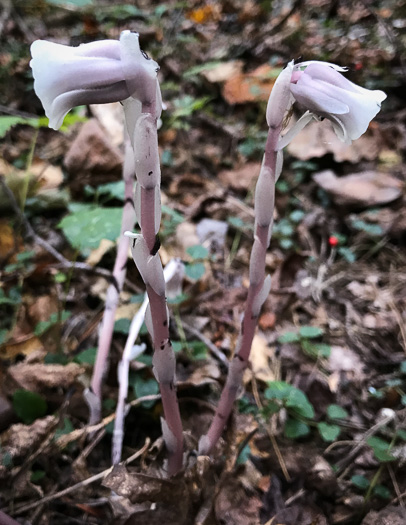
[147, 216]
[6, 520]
[257, 277]
[113, 291]
[148, 177]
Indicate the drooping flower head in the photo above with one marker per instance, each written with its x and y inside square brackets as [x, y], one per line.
[96, 73]
[322, 91]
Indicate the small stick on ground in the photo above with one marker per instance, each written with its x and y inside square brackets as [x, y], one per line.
[83, 483]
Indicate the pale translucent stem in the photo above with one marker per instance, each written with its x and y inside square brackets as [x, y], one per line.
[94, 397]
[173, 274]
[264, 208]
[146, 257]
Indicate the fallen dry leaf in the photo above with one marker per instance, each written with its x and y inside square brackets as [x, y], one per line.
[205, 14]
[21, 439]
[49, 177]
[250, 87]
[25, 345]
[37, 376]
[7, 240]
[111, 117]
[224, 71]
[388, 516]
[92, 157]
[259, 359]
[246, 512]
[241, 179]
[368, 188]
[344, 359]
[96, 255]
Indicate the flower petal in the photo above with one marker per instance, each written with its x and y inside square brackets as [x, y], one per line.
[63, 103]
[295, 129]
[280, 98]
[317, 96]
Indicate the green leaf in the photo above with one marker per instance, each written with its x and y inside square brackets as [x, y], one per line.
[3, 336]
[310, 332]
[361, 482]
[316, 350]
[244, 455]
[270, 408]
[403, 367]
[278, 390]
[195, 70]
[197, 251]
[195, 271]
[296, 215]
[87, 357]
[7, 122]
[76, 3]
[66, 428]
[167, 158]
[328, 432]
[298, 402]
[239, 224]
[336, 412]
[374, 230]
[197, 349]
[55, 318]
[6, 300]
[122, 326]
[86, 227]
[286, 243]
[179, 299]
[29, 406]
[289, 337]
[382, 492]
[381, 449]
[292, 397]
[401, 434]
[144, 387]
[296, 429]
[7, 460]
[56, 359]
[347, 254]
[37, 475]
[112, 190]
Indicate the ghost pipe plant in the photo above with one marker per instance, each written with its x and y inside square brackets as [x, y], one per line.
[173, 274]
[322, 92]
[112, 71]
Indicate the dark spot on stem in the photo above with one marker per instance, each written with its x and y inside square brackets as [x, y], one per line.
[129, 200]
[156, 246]
[221, 416]
[150, 173]
[115, 284]
[134, 242]
[239, 357]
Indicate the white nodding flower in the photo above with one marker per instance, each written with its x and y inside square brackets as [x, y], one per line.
[96, 73]
[322, 91]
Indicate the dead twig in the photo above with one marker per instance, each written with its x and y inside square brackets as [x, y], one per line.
[64, 440]
[30, 234]
[212, 347]
[83, 483]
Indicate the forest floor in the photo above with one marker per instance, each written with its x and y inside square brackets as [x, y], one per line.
[318, 435]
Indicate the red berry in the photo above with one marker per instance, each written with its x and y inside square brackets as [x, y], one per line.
[332, 240]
